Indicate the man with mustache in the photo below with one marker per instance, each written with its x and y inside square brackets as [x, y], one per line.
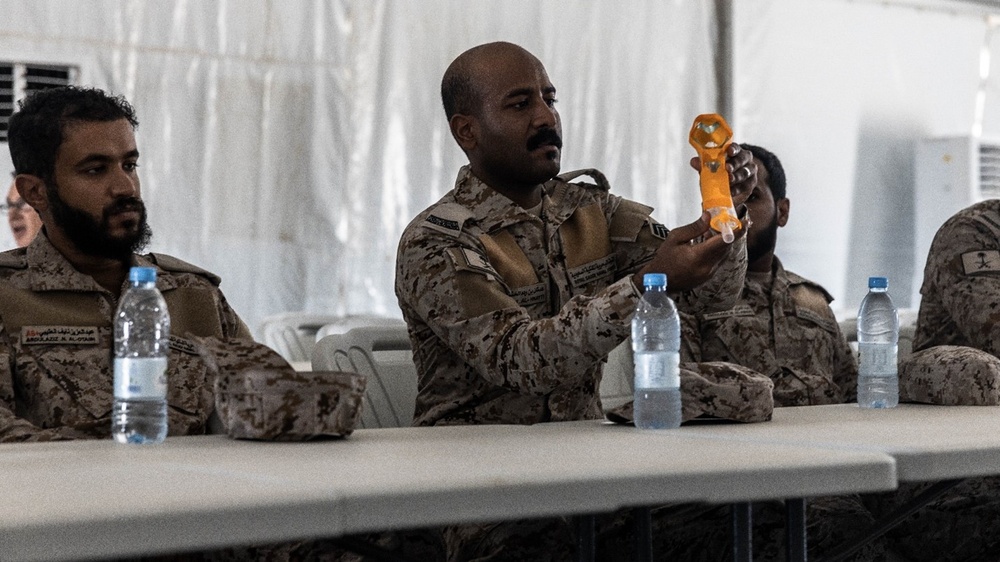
[517, 284]
[76, 161]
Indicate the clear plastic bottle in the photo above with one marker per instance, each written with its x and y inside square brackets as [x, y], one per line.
[878, 338]
[656, 342]
[142, 340]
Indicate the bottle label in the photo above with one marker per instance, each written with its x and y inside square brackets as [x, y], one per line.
[877, 359]
[660, 369]
[140, 378]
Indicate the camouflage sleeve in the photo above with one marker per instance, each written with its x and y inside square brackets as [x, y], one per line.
[635, 236]
[12, 428]
[469, 309]
[964, 267]
[232, 325]
[723, 290]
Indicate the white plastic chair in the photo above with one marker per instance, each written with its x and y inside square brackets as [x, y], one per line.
[293, 334]
[344, 324]
[617, 385]
[382, 354]
[907, 330]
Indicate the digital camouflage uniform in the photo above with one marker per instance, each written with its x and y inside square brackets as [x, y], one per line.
[956, 346]
[782, 327]
[57, 336]
[512, 312]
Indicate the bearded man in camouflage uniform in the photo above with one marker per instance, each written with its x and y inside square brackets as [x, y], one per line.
[783, 327]
[518, 282]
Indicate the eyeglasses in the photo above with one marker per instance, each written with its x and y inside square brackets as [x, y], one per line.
[7, 206]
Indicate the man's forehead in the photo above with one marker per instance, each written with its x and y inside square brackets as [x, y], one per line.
[512, 75]
[113, 139]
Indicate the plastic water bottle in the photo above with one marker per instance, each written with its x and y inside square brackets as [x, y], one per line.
[656, 343]
[142, 338]
[878, 338]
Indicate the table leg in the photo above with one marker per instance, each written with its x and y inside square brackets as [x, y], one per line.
[586, 544]
[742, 532]
[642, 518]
[795, 530]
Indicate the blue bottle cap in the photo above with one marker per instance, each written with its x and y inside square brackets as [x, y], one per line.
[654, 280]
[142, 275]
[878, 283]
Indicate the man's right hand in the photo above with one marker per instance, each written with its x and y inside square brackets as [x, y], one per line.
[687, 260]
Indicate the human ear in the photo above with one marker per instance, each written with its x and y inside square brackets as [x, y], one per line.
[465, 129]
[33, 190]
[782, 209]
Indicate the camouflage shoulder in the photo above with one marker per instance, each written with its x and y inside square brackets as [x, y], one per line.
[14, 259]
[447, 218]
[601, 182]
[801, 286]
[175, 265]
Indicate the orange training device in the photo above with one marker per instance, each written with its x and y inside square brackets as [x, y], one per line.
[711, 136]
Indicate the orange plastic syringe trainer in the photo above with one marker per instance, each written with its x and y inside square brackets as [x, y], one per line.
[711, 136]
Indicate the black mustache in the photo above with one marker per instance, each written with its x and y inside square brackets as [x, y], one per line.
[546, 136]
[125, 204]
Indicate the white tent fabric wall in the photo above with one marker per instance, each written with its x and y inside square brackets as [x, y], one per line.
[286, 144]
[841, 91]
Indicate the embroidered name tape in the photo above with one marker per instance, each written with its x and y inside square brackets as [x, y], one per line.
[739, 310]
[593, 271]
[530, 295]
[60, 335]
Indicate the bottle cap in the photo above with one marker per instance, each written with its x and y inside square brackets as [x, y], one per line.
[654, 280]
[142, 275]
[878, 283]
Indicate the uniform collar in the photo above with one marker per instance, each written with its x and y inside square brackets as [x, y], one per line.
[491, 209]
[49, 270]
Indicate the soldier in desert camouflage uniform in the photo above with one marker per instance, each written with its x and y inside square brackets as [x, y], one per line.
[517, 283]
[956, 361]
[782, 325]
[75, 156]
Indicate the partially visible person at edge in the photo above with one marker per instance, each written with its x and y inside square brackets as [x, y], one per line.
[76, 161]
[518, 282]
[955, 361]
[783, 327]
[24, 221]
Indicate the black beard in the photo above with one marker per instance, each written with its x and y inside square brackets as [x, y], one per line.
[91, 237]
[764, 242]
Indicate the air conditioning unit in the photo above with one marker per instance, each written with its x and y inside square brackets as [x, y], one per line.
[951, 174]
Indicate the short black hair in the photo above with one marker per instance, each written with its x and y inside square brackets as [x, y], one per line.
[36, 130]
[458, 95]
[775, 171]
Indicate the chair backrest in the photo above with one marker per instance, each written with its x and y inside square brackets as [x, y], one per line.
[344, 324]
[617, 385]
[293, 334]
[382, 354]
[907, 330]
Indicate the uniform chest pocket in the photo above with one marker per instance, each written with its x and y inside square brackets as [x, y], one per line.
[739, 338]
[66, 368]
[807, 340]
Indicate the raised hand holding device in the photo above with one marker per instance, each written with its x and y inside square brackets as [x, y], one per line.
[711, 136]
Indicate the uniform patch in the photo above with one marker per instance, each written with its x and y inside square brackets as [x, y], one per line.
[739, 310]
[443, 223]
[658, 230]
[816, 318]
[981, 261]
[182, 345]
[530, 295]
[60, 335]
[589, 272]
[468, 259]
